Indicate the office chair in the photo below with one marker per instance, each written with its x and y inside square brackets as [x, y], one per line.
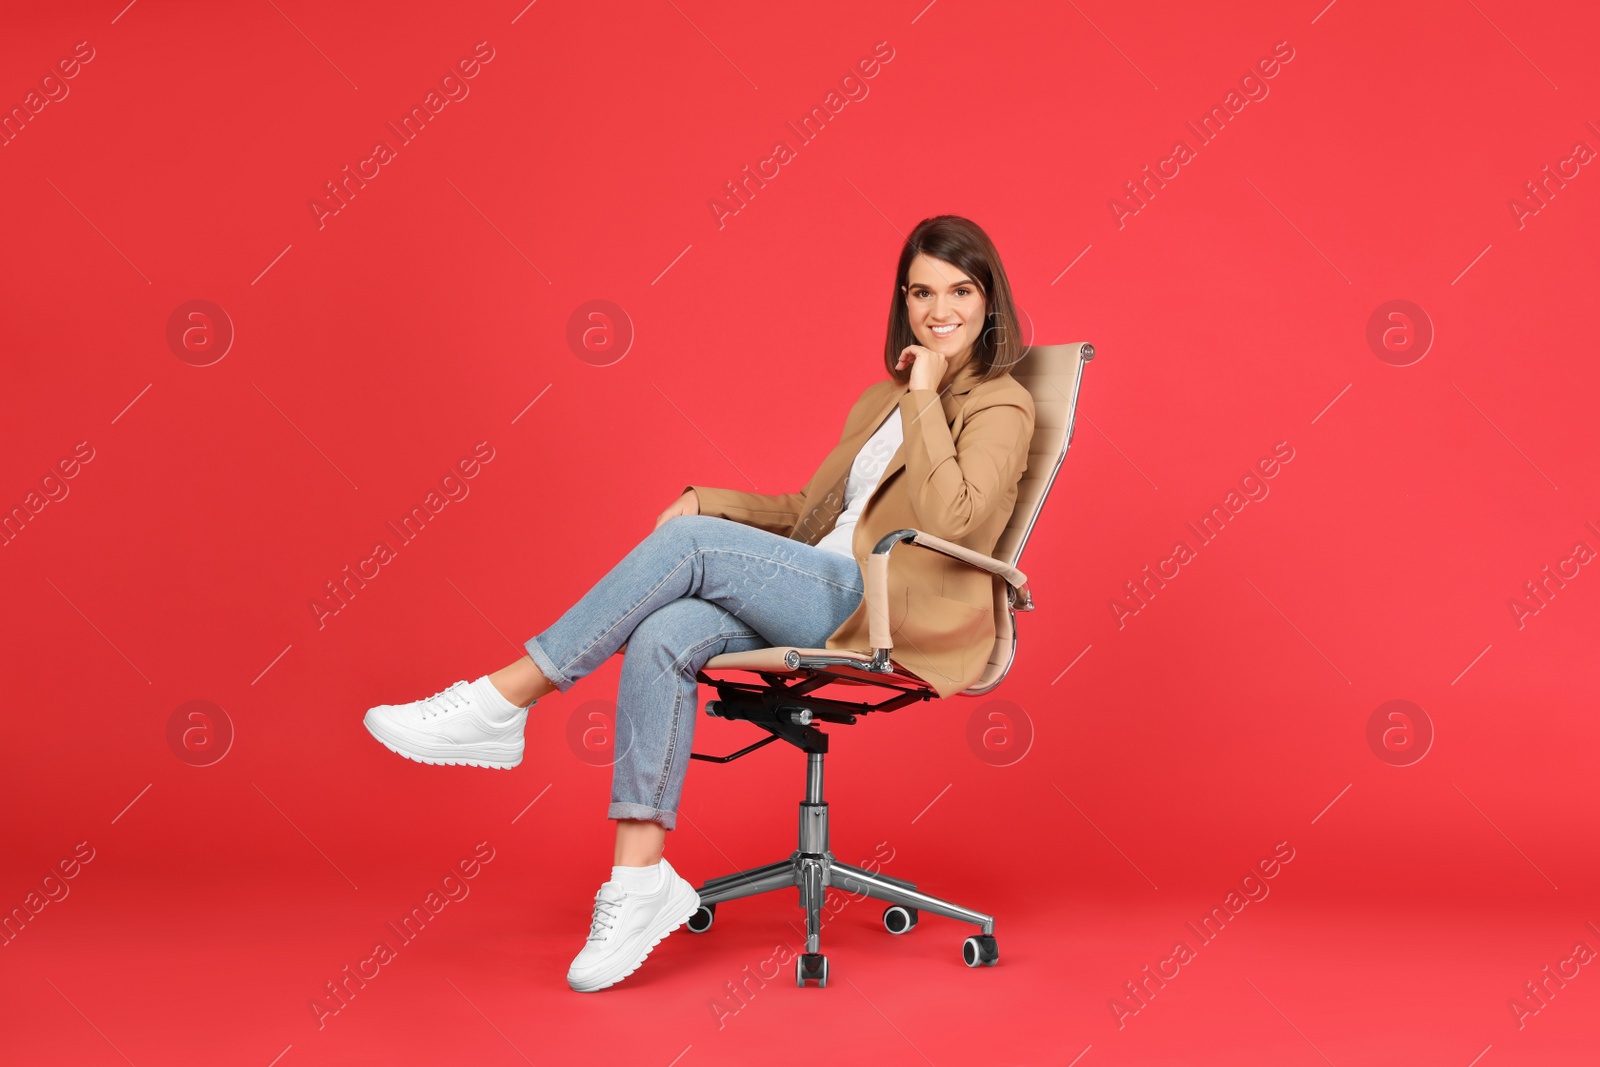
[782, 700]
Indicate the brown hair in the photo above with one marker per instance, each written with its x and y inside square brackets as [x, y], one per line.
[962, 243]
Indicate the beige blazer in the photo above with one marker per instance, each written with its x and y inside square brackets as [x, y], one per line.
[955, 476]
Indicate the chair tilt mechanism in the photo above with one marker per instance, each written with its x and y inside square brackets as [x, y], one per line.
[783, 697]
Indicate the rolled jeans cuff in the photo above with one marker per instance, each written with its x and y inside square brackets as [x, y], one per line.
[547, 666]
[667, 819]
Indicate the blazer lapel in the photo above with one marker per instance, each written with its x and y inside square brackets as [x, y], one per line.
[950, 401]
[825, 509]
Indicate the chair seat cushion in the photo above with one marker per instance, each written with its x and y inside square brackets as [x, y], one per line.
[770, 660]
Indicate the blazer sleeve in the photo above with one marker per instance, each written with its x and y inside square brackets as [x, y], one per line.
[777, 512]
[956, 483]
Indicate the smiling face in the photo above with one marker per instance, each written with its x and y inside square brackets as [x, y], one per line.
[946, 308]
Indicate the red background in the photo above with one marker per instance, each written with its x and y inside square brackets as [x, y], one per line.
[1229, 714]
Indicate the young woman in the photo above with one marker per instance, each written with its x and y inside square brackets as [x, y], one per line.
[938, 446]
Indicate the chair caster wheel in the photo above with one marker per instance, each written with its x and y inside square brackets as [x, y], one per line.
[898, 919]
[702, 918]
[980, 949]
[811, 966]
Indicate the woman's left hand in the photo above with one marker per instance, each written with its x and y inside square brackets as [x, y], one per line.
[927, 366]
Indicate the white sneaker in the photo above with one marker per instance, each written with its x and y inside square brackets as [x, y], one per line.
[451, 727]
[626, 926]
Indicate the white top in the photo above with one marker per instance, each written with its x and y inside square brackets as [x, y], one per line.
[864, 474]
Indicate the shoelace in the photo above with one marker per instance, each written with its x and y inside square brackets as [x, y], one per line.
[607, 905]
[446, 700]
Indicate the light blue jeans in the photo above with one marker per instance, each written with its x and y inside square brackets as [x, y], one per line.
[696, 587]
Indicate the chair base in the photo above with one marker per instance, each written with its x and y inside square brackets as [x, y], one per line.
[811, 868]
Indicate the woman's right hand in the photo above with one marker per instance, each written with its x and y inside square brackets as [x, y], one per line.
[687, 504]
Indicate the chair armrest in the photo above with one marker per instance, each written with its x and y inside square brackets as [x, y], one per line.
[877, 580]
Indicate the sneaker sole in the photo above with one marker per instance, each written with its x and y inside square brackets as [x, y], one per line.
[454, 758]
[594, 985]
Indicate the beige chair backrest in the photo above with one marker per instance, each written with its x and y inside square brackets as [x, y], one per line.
[1052, 373]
